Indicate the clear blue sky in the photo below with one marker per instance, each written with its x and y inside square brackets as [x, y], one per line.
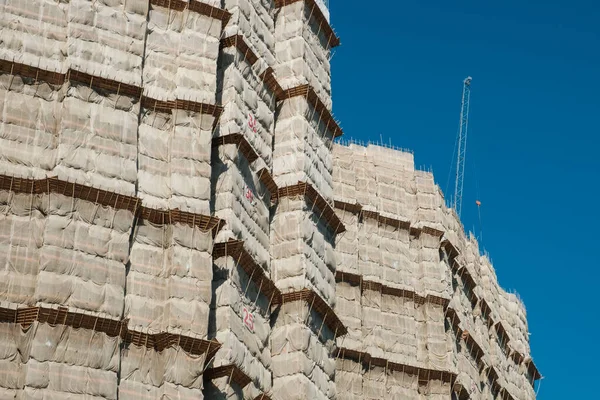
[533, 143]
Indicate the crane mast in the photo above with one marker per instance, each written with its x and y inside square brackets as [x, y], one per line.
[462, 145]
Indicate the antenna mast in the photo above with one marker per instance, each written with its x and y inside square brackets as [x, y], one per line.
[462, 145]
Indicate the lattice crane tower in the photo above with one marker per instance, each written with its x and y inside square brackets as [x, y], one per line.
[462, 145]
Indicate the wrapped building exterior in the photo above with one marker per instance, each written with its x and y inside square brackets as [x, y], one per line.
[177, 220]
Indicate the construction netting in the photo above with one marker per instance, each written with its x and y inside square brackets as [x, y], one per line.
[415, 292]
[126, 124]
[302, 48]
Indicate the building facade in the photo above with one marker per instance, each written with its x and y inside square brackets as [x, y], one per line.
[177, 220]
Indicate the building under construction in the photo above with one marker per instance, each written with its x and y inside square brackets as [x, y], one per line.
[178, 221]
